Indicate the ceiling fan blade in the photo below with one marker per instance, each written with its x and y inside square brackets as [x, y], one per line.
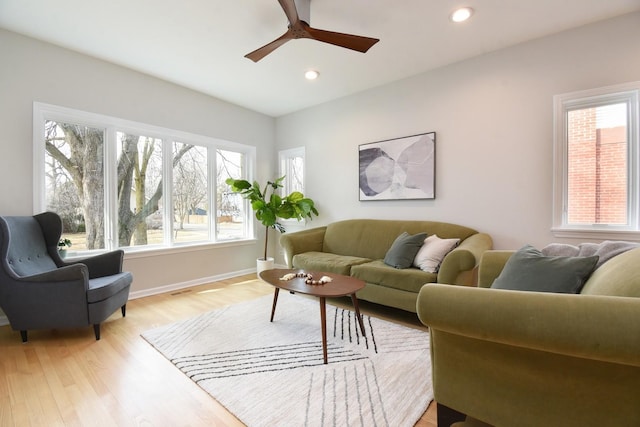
[350, 41]
[297, 12]
[289, 7]
[265, 50]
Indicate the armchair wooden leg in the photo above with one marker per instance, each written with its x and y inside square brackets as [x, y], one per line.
[23, 335]
[123, 309]
[96, 330]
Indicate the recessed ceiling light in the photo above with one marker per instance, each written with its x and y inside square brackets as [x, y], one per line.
[311, 75]
[462, 14]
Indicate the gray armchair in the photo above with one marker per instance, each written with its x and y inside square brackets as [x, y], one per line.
[39, 290]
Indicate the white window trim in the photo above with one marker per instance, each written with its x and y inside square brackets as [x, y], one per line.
[627, 92]
[43, 112]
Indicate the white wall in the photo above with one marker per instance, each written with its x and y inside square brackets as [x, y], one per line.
[493, 118]
[35, 71]
[492, 115]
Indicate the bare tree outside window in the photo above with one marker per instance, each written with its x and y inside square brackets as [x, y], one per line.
[190, 190]
[139, 191]
[230, 206]
[140, 187]
[292, 168]
[75, 183]
[74, 180]
[296, 174]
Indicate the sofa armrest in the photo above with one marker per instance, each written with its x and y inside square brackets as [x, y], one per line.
[57, 295]
[70, 273]
[464, 258]
[310, 240]
[491, 265]
[101, 265]
[595, 327]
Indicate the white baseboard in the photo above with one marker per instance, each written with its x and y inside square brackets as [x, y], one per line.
[177, 286]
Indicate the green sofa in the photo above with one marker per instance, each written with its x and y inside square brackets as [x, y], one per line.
[508, 358]
[357, 248]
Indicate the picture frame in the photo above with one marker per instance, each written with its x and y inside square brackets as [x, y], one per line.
[398, 169]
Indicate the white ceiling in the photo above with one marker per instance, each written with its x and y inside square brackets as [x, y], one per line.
[201, 44]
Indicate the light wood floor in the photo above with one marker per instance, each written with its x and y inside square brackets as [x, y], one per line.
[67, 378]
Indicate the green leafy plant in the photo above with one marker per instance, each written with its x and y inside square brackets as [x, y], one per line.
[269, 207]
[64, 244]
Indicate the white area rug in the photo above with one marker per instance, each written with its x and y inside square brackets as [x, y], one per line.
[271, 374]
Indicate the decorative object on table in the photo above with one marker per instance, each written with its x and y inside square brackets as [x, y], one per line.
[398, 169]
[344, 286]
[63, 245]
[272, 374]
[269, 207]
[308, 278]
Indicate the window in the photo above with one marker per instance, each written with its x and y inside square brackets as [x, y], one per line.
[596, 180]
[231, 222]
[292, 167]
[117, 183]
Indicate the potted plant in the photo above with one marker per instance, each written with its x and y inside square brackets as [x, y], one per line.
[63, 245]
[270, 207]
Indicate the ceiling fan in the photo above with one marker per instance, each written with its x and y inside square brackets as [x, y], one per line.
[297, 12]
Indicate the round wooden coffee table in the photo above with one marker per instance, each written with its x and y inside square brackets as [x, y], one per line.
[340, 286]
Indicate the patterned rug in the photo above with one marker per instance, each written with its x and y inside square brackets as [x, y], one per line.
[272, 374]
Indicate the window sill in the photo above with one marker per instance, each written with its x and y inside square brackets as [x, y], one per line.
[132, 252]
[600, 234]
[145, 252]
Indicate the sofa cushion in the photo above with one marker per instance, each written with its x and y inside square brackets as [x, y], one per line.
[331, 263]
[407, 279]
[404, 249]
[604, 250]
[432, 252]
[620, 277]
[529, 270]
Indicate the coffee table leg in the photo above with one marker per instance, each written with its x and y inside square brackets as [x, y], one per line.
[275, 301]
[323, 321]
[354, 300]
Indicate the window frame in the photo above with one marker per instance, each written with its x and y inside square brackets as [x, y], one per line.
[111, 125]
[629, 94]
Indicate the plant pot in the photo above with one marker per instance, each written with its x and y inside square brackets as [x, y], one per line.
[63, 253]
[264, 264]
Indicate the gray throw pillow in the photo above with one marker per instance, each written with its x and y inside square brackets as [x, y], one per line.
[404, 250]
[529, 270]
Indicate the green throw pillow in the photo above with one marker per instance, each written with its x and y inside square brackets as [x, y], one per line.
[529, 270]
[404, 250]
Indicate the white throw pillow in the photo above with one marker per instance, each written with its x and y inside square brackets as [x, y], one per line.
[432, 252]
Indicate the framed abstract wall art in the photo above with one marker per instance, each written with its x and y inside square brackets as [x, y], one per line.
[398, 169]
